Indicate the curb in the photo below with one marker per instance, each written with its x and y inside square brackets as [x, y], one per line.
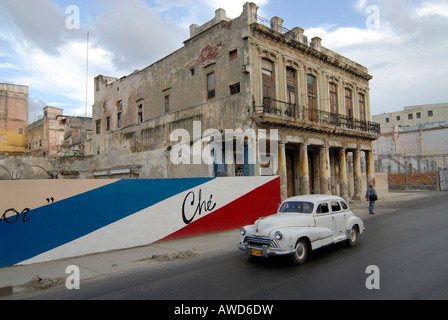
[6, 291]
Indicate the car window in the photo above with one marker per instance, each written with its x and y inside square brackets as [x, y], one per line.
[344, 205]
[323, 208]
[297, 207]
[335, 206]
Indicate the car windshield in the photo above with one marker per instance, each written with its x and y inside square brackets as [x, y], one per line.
[297, 207]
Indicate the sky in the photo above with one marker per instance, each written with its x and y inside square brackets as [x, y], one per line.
[43, 43]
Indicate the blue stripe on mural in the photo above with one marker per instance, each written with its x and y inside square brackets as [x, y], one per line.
[56, 224]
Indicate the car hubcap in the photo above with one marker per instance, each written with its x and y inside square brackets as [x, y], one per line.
[300, 251]
[353, 235]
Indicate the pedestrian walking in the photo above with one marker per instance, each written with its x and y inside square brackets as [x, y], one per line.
[371, 196]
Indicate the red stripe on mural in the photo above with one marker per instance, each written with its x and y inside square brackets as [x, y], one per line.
[260, 202]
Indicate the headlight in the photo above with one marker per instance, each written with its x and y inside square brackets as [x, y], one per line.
[243, 231]
[278, 235]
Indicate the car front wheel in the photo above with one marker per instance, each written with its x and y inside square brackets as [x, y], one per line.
[353, 237]
[301, 252]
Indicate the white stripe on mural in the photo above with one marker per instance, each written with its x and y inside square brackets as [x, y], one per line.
[158, 221]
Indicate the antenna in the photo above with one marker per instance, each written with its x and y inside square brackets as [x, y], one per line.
[87, 69]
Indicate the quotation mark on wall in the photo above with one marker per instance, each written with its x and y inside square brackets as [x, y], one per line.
[50, 200]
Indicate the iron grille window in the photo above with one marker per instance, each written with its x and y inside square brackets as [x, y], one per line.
[235, 89]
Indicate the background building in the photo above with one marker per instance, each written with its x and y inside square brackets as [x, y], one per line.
[57, 134]
[414, 140]
[413, 146]
[245, 73]
[13, 117]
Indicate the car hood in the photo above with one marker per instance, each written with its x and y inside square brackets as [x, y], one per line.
[280, 220]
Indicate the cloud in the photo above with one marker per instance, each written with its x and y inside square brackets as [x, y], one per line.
[35, 107]
[360, 6]
[406, 54]
[8, 65]
[135, 33]
[233, 8]
[429, 8]
[52, 59]
[37, 21]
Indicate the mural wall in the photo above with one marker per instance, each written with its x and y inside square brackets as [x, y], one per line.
[53, 219]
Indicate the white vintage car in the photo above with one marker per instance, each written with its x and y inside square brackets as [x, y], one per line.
[302, 224]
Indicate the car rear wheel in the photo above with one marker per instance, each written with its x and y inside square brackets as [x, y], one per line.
[301, 252]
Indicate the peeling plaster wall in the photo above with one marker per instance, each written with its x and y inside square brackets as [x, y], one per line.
[435, 141]
[183, 77]
[21, 167]
[13, 118]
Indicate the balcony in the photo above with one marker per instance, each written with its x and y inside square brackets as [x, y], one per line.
[282, 113]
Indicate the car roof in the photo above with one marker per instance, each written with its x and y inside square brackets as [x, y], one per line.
[315, 198]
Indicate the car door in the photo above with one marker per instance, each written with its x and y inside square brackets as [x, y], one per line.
[326, 222]
[340, 219]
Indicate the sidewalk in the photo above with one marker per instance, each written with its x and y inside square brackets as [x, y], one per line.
[26, 279]
[383, 205]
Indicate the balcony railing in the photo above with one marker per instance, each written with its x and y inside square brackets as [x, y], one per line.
[292, 111]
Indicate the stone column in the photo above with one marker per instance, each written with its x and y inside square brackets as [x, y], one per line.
[304, 171]
[357, 175]
[281, 172]
[370, 168]
[324, 166]
[297, 169]
[343, 174]
[333, 175]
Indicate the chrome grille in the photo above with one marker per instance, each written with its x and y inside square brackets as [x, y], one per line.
[261, 241]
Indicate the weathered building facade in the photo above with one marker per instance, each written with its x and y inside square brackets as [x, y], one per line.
[241, 75]
[13, 117]
[56, 134]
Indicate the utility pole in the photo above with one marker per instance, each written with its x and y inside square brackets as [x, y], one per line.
[87, 70]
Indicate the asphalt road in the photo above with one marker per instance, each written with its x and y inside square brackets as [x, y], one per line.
[409, 247]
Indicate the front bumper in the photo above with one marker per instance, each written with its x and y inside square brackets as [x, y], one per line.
[264, 251]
